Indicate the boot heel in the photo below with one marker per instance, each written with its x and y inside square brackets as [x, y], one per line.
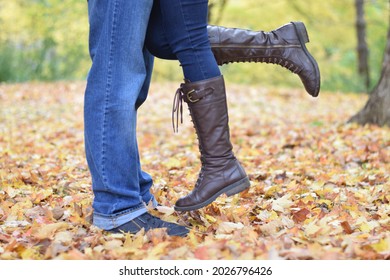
[238, 187]
[302, 32]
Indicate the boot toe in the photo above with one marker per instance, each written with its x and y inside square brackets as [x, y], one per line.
[184, 203]
[312, 85]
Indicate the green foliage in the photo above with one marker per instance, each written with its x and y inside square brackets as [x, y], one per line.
[48, 40]
[43, 40]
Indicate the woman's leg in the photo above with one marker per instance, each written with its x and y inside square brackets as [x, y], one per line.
[184, 24]
[156, 40]
[184, 28]
[284, 46]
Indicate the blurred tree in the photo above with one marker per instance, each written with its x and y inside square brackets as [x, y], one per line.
[219, 6]
[377, 108]
[362, 47]
[43, 40]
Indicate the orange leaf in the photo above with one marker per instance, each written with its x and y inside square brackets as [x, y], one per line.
[300, 215]
[347, 228]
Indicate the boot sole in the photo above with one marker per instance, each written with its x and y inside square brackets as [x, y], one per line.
[303, 37]
[230, 190]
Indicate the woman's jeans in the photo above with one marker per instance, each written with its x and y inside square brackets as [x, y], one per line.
[178, 30]
[117, 85]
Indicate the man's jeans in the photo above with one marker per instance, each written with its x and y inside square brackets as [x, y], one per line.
[117, 85]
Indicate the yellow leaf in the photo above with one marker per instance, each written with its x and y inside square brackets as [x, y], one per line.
[267, 216]
[287, 222]
[364, 227]
[382, 246]
[211, 219]
[179, 252]
[172, 163]
[311, 229]
[270, 191]
[64, 237]
[20, 207]
[281, 204]
[165, 210]
[31, 254]
[229, 227]
[325, 203]
[47, 231]
[135, 241]
[113, 244]
[158, 250]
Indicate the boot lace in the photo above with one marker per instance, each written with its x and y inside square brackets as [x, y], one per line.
[178, 109]
[269, 60]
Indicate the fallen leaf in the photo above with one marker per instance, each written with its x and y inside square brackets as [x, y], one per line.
[347, 228]
[282, 204]
[228, 227]
[48, 231]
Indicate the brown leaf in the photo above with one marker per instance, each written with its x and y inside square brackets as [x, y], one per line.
[58, 212]
[300, 215]
[346, 226]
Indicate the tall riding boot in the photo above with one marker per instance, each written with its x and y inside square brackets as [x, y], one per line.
[284, 46]
[221, 172]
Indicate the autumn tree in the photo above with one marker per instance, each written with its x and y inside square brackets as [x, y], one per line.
[216, 9]
[377, 108]
[362, 47]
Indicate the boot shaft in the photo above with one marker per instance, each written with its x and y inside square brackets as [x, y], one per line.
[221, 173]
[284, 36]
[242, 45]
[284, 46]
[207, 104]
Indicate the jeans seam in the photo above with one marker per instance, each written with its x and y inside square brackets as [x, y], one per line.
[189, 38]
[196, 52]
[108, 88]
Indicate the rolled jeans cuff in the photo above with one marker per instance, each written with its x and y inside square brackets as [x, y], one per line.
[107, 222]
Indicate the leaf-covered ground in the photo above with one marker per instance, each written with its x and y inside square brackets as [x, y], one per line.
[319, 187]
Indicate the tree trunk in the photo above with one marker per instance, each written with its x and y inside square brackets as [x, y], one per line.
[216, 17]
[377, 108]
[362, 48]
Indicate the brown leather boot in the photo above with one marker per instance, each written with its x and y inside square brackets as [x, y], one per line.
[284, 46]
[221, 172]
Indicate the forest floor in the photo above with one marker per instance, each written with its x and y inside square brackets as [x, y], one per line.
[320, 187]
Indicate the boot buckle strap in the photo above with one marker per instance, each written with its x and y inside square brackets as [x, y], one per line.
[189, 96]
[194, 95]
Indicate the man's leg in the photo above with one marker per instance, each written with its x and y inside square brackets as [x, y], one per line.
[117, 84]
[145, 180]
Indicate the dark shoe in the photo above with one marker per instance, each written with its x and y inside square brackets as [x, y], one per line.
[148, 221]
[221, 172]
[284, 46]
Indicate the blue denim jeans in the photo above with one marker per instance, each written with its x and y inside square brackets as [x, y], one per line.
[178, 30]
[117, 85]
